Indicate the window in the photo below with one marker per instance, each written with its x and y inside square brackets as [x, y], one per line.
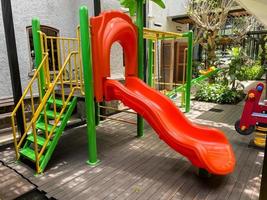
[49, 31]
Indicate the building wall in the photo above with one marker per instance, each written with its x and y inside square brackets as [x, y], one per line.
[159, 16]
[60, 14]
[176, 7]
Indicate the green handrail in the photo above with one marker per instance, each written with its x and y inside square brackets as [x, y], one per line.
[193, 82]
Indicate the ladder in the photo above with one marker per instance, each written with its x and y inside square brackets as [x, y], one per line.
[50, 113]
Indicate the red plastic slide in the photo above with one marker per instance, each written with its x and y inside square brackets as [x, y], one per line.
[205, 147]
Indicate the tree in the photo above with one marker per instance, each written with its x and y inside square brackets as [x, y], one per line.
[241, 26]
[131, 5]
[262, 42]
[209, 17]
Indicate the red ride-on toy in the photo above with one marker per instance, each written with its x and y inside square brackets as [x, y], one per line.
[253, 112]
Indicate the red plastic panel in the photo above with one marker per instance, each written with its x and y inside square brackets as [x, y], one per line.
[110, 27]
[252, 106]
[206, 148]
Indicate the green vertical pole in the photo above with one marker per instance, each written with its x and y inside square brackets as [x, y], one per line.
[150, 62]
[88, 85]
[140, 26]
[38, 52]
[189, 71]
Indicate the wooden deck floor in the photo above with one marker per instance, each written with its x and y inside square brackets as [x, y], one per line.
[145, 168]
[12, 185]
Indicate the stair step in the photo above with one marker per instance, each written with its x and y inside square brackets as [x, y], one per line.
[40, 140]
[50, 114]
[58, 102]
[29, 153]
[42, 126]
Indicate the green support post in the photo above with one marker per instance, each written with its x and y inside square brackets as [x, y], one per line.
[88, 85]
[150, 63]
[38, 53]
[140, 26]
[189, 71]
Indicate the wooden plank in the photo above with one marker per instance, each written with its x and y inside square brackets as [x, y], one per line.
[168, 182]
[202, 187]
[128, 177]
[243, 176]
[79, 160]
[252, 186]
[241, 153]
[12, 185]
[145, 168]
[139, 188]
[104, 163]
[90, 179]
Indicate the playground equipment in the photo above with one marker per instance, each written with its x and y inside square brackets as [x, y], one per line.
[206, 148]
[173, 79]
[57, 98]
[167, 72]
[253, 112]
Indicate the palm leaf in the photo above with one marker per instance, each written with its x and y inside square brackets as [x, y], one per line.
[159, 3]
[131, 5]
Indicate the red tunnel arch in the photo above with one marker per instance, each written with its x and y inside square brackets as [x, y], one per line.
[106, 29]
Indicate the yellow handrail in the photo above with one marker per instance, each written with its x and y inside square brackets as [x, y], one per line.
[29, 85]
[51, 88]
[21, 103]
[153, 34]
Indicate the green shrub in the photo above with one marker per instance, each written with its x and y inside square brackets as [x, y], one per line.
[218, 93]
[254, 72]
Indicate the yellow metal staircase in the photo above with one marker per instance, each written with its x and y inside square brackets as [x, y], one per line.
[53, 109]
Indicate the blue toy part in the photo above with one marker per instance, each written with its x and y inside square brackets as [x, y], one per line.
[259, 88]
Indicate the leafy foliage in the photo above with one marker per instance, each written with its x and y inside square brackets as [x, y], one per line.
[131, 5]
[218, 93]
[254, 72]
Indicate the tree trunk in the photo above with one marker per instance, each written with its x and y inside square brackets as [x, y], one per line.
[211, 47]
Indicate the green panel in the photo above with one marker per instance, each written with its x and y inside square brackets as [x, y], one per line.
[50, 114]
[41, 125]
[58, 102]
[29, 154]
[58, 134]
[40, 140]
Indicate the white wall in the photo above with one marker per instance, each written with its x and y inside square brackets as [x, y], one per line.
[163, 16]
[5, 84]
[60, 14]
[257, 8]
[175, 7]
